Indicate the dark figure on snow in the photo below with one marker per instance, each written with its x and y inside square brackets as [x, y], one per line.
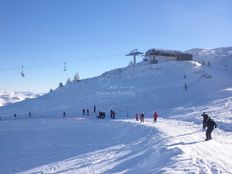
[29, 114]
[155, 116]
[210, 124]
[103, 115]
[83, 111]
[185, 87]
[185, 76]
[87, 112]
[64, 114]
[111, 114]
[137, 117]
[142, 117]
[99, 114]
[15, 115]
[94, 109]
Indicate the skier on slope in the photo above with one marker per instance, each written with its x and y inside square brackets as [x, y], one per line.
[210, 124]
[111, 114]
[155, 116]
[137, 117]
[142, 117]
[185, 87]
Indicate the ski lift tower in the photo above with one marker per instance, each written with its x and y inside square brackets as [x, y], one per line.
[134, 53]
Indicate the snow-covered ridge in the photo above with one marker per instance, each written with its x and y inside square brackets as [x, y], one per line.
[7, 97]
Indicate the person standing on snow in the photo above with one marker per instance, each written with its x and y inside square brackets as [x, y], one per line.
[210, 124]
[185, 87]
[137, 117]
[111, 114]
[83, 112]
[142, 117]
[87, 112]
[155, 116]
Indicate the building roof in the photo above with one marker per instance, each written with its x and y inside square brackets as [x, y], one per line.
[163, 52]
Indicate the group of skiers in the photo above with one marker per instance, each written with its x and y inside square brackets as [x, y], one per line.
[87, 112]
[101, 115]
[208, 122]
[208, 63]
[142, 115]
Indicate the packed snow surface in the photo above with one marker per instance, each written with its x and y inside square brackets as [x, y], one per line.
[49, 143]
[77, 145]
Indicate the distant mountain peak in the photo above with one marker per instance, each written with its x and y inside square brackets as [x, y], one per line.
[7, 96]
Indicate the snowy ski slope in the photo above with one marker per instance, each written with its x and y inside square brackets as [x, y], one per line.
[48, 143]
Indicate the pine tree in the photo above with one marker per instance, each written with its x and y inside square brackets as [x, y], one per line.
[68, 81]
[61, 85]
[76, 78]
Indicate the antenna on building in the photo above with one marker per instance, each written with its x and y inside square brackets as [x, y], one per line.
[134, 53]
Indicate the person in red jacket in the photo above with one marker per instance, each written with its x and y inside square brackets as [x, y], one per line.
[155, 116]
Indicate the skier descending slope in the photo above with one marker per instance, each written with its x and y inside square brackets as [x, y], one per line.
[155, 116]
[210, 124]
[142, 117]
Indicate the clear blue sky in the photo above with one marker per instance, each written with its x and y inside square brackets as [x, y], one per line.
[92, 36]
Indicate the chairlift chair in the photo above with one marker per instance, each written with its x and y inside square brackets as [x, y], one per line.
[22, 73]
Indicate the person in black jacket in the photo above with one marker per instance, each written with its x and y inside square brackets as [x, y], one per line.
[210, 124]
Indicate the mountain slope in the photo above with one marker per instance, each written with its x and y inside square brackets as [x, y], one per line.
[143, 88]
[81, 144]
[7, 97]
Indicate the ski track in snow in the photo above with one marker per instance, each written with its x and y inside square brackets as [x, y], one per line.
[205, 157]
[167, 146]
